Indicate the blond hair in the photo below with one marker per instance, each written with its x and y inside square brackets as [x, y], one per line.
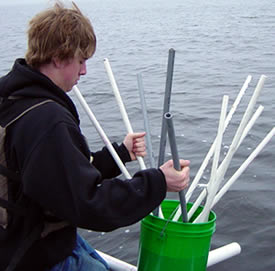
[59, 32]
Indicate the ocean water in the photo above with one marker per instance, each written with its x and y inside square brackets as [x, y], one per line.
[218, 44]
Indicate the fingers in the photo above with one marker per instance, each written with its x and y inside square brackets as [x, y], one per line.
[186, 176]
[139, 146]
[184, 163]
[183, 180]
[176, 180]
[138, 135]
[135, 144]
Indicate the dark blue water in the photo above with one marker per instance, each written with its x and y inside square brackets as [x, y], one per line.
[218, 44]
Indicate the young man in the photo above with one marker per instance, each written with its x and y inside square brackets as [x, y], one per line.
[62, 185]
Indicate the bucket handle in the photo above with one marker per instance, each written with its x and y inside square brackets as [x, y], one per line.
[162, 233]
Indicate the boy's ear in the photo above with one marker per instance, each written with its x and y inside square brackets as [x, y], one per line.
[57, 62]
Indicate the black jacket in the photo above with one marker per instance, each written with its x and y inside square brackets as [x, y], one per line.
[48, 150]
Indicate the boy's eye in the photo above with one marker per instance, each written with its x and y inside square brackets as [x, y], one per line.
[82, 61]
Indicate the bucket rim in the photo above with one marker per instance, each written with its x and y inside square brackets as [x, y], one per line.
[212, 215]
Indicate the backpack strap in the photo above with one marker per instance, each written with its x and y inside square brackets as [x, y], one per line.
[27, 110]
[35, 234]
[13, 207]
[8, 173]
[26, 244]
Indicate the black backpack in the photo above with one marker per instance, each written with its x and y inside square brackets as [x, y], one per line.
[7, 207]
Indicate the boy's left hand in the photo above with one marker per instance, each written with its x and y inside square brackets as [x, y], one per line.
[135, 144]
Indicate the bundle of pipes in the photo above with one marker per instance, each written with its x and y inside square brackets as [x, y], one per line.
[211, 189]
[218, 172]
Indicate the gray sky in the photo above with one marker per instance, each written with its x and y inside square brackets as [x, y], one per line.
[46, 2]
[15, 2]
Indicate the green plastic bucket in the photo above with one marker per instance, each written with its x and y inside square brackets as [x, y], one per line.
[168, 245]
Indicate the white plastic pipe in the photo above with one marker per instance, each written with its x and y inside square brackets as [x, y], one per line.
[215, 256]
[251, 123]
[204, 192]
[242, 168]
[121, 105]
[238, 136]
[116, 264]
[211, 150]
[197, 203]
[101, 132]
[223, 253]
[214, 183]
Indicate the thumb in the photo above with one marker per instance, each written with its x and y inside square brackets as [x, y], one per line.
[184, 163]
[138, 135]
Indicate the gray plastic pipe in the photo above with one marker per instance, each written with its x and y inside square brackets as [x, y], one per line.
[173, 145]
[166, 108]
[146, 121]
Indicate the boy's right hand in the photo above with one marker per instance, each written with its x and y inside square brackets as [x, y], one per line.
[176, 181]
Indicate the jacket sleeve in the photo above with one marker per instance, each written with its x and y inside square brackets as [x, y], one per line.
[105, 163]
[59, 176]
